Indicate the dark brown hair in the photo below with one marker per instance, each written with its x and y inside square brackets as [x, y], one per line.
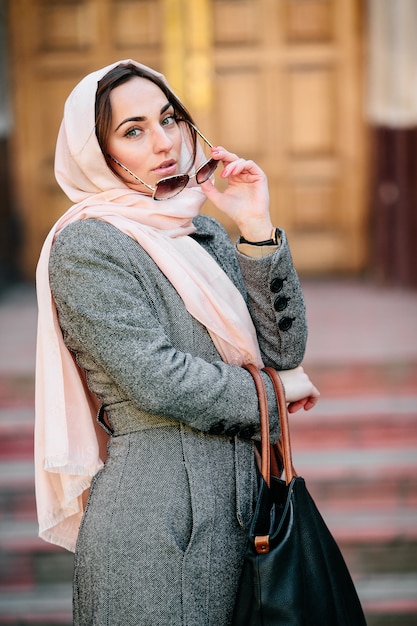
[103, 112]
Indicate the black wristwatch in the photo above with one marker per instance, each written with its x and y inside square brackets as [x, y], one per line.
[268, 242]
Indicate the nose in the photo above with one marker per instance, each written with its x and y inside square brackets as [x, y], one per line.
[161, 140]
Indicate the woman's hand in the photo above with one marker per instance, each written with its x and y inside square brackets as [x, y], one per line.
[246, 198]
[299, 390]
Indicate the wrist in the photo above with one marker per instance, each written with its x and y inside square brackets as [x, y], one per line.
[273, 239]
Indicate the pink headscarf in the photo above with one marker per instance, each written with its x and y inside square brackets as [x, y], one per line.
[68, 444]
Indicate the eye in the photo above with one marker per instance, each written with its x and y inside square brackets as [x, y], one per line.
[169, 120]
[133, 132]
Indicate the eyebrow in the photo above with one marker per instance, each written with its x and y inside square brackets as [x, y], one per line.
[167, 106]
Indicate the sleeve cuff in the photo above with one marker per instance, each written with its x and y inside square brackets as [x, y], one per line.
[256, 252]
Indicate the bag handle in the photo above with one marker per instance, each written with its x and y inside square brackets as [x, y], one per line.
[264, 419]
[283, 446]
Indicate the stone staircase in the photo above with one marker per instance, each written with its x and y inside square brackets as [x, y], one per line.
[35, 576]
[357, 451]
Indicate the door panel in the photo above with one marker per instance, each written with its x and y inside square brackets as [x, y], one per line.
[311, 130]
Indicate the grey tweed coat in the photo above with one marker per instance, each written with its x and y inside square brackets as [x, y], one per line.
[163, 536]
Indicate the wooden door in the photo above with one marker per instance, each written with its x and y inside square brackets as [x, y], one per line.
[288, 94]
[278, 81]
[54, 43]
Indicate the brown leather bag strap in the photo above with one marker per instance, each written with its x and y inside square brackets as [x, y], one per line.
[284, 444]
[264, 420]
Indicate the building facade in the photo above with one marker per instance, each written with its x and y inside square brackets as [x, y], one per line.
[278, 81]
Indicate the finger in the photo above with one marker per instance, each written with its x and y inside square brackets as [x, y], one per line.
[211, 192]
[234, 165]
[241, 166]
[293, 407]
[312, 401]
[221, 154]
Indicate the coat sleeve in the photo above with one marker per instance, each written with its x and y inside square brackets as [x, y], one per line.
[107, 314]
[276, 305]
[273, 294]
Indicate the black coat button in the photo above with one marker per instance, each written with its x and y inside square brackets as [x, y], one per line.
[280, 303]
[232, 430]
[285, 323]
[217, 428]
[277, 284]
[247, 431]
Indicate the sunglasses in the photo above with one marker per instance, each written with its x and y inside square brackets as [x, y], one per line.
[170, 186]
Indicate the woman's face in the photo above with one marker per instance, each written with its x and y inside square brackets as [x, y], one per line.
[144, 135]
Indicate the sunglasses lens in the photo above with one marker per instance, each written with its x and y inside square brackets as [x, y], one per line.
[206, 171]
[169, 187]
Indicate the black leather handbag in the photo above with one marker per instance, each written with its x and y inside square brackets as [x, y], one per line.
[293, 573]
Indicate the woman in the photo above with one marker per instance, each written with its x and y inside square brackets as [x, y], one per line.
[153, 313]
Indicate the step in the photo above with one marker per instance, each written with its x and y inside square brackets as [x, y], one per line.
[17, 490]
[362, 378]
[45, 605]
[389, 600]
[370, 525]
[17, 390]
[366, 557]
[365, 524]
[27, 560]
[361, 422]
[379, 491]
[382, 597]
[371, 541]
[16, 432]
[352, 479]
[327, 426]
[375, 553]
[355, 462]
[368, 422]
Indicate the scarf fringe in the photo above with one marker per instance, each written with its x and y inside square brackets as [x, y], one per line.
[56, 465]
[62, 530]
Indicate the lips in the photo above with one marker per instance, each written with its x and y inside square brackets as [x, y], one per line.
[166, 168]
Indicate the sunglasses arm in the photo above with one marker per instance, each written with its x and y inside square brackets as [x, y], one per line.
[131, 173]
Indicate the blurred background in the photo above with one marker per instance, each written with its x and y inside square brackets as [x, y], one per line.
[323, 95]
